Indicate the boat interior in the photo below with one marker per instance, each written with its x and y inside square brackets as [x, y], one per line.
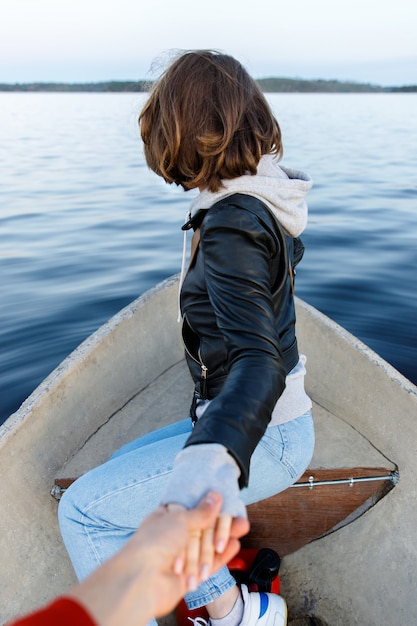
[346, 476]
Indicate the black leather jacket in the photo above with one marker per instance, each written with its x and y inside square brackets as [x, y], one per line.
[239, 322]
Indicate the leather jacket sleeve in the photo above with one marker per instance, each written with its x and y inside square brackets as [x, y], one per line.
[235, 267]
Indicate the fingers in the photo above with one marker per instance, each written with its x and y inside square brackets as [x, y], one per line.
[222, 533]
[230, 551]
[207, 553]
[204, 514]
[213, 547]
[240, 527]
[193, 560]
[212, 539]
[200, 550]
[208, 509]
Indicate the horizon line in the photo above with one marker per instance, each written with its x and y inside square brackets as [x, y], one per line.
[5, 86]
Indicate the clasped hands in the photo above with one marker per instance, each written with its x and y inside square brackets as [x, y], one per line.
[209, 548]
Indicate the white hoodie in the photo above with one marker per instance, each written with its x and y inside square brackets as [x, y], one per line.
[282, 190]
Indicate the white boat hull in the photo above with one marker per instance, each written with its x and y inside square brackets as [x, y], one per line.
[362, 574]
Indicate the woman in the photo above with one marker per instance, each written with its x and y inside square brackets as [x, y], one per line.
[206, 125]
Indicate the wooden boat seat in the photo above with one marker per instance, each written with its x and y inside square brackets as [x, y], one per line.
[346, 477]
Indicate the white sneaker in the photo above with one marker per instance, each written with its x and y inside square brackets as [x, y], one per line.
[198, 621]
[263, 609]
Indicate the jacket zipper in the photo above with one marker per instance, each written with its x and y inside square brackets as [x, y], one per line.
[204, 368]
[203, 388]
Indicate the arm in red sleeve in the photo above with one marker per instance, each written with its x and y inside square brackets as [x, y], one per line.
[63, 611]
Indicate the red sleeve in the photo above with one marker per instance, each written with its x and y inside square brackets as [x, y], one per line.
[63, 611]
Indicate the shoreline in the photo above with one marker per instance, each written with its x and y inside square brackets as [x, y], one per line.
[268, 85]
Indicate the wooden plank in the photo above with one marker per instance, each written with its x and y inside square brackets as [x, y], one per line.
[298, 515]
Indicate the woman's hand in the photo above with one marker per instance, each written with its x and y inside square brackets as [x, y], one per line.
[209, 548]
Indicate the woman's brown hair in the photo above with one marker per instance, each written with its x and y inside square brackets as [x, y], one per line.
[206, 120]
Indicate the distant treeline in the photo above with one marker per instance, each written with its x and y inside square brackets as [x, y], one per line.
[268, 85]
[110, 86]
[295, 85]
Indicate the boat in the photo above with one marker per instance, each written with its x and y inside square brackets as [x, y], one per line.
[345, 531]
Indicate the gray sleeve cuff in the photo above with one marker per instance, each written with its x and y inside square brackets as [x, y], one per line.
[202, 468]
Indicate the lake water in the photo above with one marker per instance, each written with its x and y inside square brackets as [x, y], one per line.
[85, 227]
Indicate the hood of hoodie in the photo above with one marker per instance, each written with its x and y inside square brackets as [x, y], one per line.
[282, 189]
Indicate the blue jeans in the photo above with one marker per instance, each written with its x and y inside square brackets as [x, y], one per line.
[103, 508]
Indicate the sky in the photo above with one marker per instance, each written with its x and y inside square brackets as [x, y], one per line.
[371, 41]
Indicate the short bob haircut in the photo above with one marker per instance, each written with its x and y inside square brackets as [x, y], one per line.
[206, 120]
